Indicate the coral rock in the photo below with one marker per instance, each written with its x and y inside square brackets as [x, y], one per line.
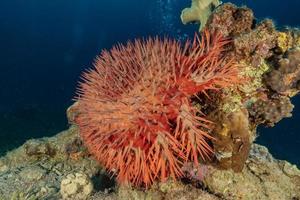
[24, 176]
[252, 42]
[285, 77]
[38, 148]
[76, 186]
[231, 20]
[257, 44]
[262, 178]
[33, 173]
[232, 139]
[271, 111]
[288, 39]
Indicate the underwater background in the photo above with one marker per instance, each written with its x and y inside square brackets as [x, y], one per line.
[45, 46]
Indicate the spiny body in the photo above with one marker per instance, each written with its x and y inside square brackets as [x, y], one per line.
[135, 109]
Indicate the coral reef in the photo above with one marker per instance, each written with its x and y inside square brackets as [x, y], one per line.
[199, 11]
[269, 60]
[231, 20]
[252, 42]
[257, 44]
[135, 110]
[270, 112]
[285, 77]
[160, 81]
[287, 39]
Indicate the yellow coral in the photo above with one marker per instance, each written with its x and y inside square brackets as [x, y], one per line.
[255, 75]
[224, 131]
[297, 41]
[199, 11]
[232, 102]
[282, 41]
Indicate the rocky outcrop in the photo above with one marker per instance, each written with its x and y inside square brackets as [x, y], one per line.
[35, 170]
[32, 176]
[76, 186]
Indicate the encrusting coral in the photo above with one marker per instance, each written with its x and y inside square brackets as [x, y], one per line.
[232, 143]
[135, 108]
[285, 77]
[199, 11]
[231, 20]
[271, 111]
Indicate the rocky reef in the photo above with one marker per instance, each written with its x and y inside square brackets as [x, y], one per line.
[268, 60]
[70, 173]
[61, 167]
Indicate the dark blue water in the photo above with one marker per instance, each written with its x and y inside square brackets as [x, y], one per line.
[45, 45]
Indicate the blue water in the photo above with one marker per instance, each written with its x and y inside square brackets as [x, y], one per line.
[45, 45]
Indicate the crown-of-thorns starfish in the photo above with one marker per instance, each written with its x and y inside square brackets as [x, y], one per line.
[135, 109]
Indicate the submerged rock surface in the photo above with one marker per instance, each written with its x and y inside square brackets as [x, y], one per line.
[78, 176]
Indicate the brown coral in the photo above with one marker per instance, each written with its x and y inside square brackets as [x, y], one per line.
[134, 108]
[271, 111]
[285, 77]
[232, 139]
[253, 41]
[231, 20]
